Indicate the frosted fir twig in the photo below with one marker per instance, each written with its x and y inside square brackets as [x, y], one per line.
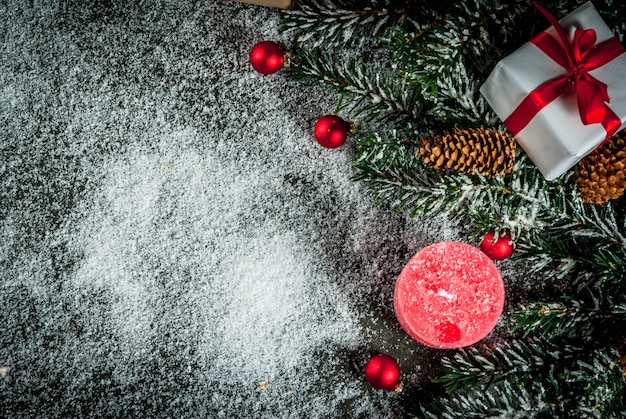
[542, 377]
[555, 319]
[459, 100]
[468, 29]
[401, 178]
[330, 25]
[596, 379]
[472, 366]
[562, 248]
[599, 222]
[505, 401]
[611, 269]
[585, 316]
[603, 383]
[521, 201]
[367, 93]
[333, 26]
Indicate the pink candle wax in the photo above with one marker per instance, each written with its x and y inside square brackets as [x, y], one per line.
[449, 295]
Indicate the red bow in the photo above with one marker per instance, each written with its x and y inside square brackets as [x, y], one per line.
[579, 57]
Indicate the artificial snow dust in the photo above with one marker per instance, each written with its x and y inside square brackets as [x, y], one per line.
[175, 243]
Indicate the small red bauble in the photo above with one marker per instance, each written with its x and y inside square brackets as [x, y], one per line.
[331, 131]
[267, 57]
[497, 247]
[383, 372]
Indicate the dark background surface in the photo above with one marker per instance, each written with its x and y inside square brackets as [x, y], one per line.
[173, 242]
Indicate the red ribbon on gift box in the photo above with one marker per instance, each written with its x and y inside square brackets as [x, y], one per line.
[578, 58]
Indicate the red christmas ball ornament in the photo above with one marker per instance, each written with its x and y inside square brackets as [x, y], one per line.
[383, 372]
[497, 247]
[267, 57]
[331, 131]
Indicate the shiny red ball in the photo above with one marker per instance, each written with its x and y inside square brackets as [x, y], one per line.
[267, 57]
[383, 372]
[497, 248]
[331, 131]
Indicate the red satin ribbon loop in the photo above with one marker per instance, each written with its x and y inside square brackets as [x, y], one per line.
[578, 58]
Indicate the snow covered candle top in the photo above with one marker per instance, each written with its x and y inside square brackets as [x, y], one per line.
[449, 295]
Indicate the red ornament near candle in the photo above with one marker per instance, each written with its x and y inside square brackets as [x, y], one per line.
[449, 295]
[497, 247]
[267, 57]
[383, 372]
[331, 131]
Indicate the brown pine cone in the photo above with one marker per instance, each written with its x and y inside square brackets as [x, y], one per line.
[601, 176]
[486, 151]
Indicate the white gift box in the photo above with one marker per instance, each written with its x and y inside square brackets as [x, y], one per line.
[556, 138]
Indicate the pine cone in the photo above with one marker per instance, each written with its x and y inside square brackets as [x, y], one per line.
[486, 151]
[601, 176]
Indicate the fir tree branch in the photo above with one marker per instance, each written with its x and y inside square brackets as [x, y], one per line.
[552, 256]
[472, 367]
[521, 201]
[611, 269]
[329, 24]
[602, 384]
[599, 222]
[532, 380]
[370, 95]
[392, 171]
[559, 250]
[505, 401]
[550, 320]
[469, 31]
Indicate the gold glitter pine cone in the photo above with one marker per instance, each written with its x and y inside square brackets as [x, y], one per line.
[601, 176]
[486, 151]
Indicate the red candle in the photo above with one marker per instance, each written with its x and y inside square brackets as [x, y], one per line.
[449, 295]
